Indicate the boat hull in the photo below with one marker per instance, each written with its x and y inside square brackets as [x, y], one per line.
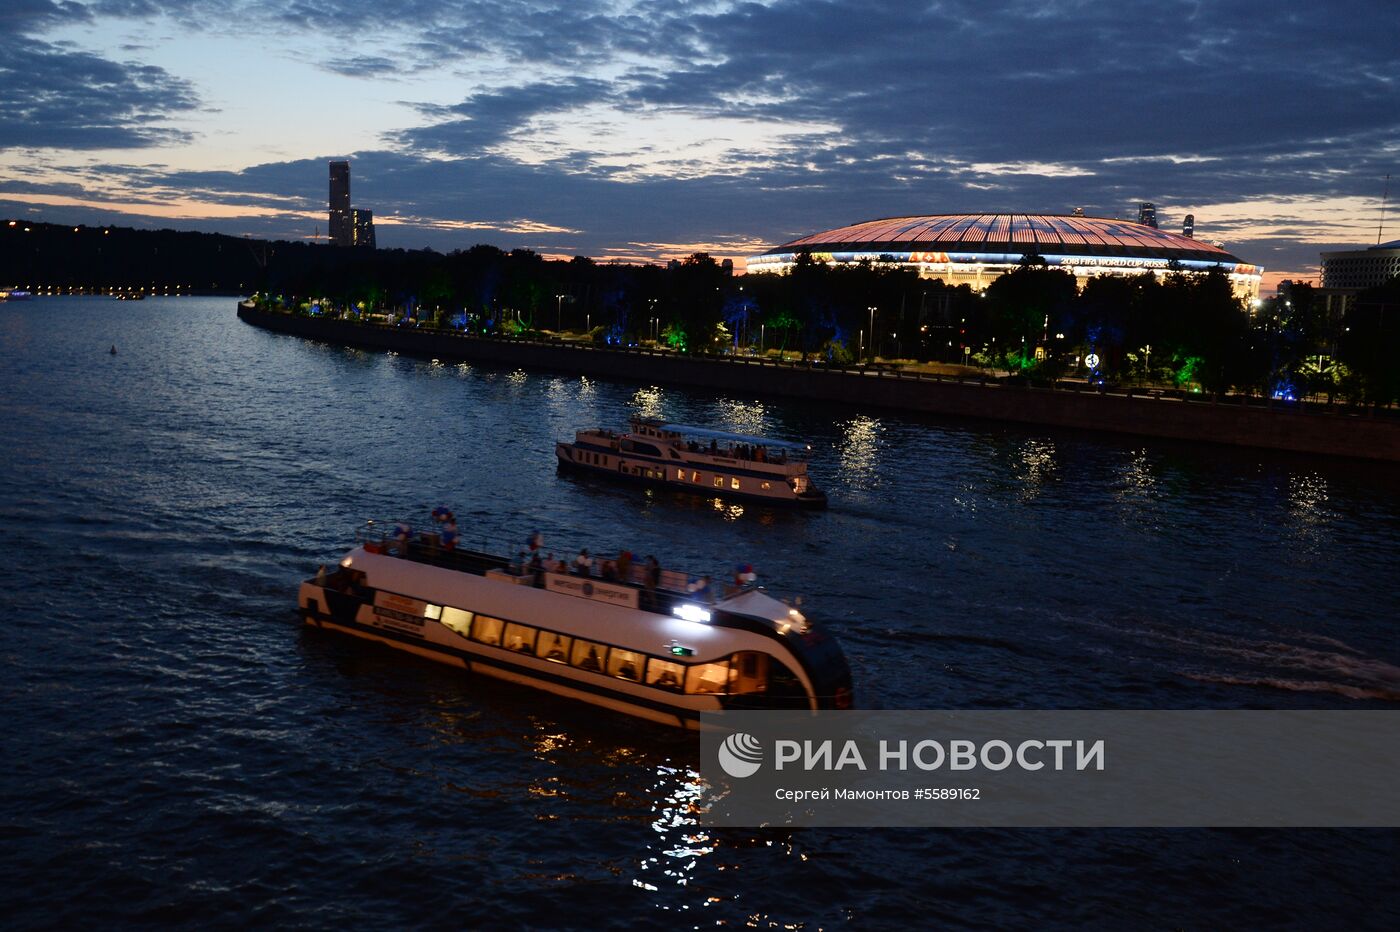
[524, 670]
[657, 475]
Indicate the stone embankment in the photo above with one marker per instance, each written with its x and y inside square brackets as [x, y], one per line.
[1237, 421]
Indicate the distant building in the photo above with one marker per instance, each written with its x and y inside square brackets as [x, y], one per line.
[727, 266]
[1188, 226]
[1147, 214]
[1078, 212]
[1360, 269]
[362, 222]
[974, 249]
[342, 230]
[1349, 272]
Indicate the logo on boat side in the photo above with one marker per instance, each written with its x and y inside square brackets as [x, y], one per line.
[741, 755]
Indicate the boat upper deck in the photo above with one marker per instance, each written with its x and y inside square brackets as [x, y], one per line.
[654, 589]
[700, 446]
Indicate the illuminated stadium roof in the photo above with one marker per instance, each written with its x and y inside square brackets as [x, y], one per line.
[1008, 234]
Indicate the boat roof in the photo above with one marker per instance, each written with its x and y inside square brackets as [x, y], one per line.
[629, 628]
[706, 432]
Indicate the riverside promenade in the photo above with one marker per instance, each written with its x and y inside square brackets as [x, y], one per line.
[1236, 420]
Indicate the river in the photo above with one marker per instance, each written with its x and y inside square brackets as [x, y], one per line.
[179, 750]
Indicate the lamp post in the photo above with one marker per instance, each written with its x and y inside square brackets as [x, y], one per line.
[872, 333]
[761, 328]
[559, 311]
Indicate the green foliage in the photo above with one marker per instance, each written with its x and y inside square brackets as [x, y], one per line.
[674, 337]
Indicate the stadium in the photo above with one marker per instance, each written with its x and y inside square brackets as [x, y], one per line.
[973, 249]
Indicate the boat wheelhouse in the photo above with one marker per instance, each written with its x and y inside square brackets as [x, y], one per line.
[636, 641]
[696, 459]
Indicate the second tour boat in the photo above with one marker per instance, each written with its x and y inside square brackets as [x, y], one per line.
[696, 459]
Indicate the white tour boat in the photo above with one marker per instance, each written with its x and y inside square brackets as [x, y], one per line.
[634, 638]
[707, 462]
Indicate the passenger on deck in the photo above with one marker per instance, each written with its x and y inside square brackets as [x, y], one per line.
[609, 571]
[592, 661]
[624, 565]
[700, 589]
[583, 564]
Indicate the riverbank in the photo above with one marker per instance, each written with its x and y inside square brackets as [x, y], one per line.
[1236, 421]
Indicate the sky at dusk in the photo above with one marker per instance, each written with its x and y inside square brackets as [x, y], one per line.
[645, 130]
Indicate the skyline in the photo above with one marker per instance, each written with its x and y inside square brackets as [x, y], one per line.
[639, 131]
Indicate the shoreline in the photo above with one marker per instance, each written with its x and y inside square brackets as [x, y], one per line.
[1289, 427]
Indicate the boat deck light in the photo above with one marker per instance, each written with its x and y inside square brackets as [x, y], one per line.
[691, 612]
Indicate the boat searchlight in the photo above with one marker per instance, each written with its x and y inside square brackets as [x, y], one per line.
[690, 612]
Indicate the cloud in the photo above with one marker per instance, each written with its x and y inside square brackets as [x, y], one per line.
[362, 66]
[54, 97]
[618, 128]
[486, 119]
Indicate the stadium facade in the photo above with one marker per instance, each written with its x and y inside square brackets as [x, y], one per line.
[973, 249]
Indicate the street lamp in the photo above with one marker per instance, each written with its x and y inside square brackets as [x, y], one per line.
[761, 328]
[872, 333]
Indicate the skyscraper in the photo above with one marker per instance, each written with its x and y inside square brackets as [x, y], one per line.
[1188, 226]
[362, 222]
[342, 230]
[1147, 214]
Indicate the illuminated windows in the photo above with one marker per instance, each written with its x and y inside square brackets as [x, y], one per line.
[487, 630]
[625, 664]
[553, 647]
[520, 638]
[664, 674]
[457, 620]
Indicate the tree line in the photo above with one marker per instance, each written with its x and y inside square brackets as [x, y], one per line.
[1035, 322]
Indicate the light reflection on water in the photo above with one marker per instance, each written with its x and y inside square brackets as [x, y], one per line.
[649, 402]
[859, 453]
[742, 417]
[1037, 466]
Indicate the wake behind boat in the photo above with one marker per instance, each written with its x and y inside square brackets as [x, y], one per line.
[696, 459]
[635, 638]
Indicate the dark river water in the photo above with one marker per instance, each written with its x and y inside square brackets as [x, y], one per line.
[178, 749]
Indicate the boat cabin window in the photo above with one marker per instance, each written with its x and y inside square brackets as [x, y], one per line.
[680, 475]
[636, 446]
[664, 674]
[520, 637]
[457, 620]
[588, 656]
[765, 486]
[708, 678]
[734, 483]
[719, 482]
[553, 647]
[625, 664]
[487, 630]
[750, 673]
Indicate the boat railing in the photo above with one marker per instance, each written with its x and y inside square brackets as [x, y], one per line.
[669, 588]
